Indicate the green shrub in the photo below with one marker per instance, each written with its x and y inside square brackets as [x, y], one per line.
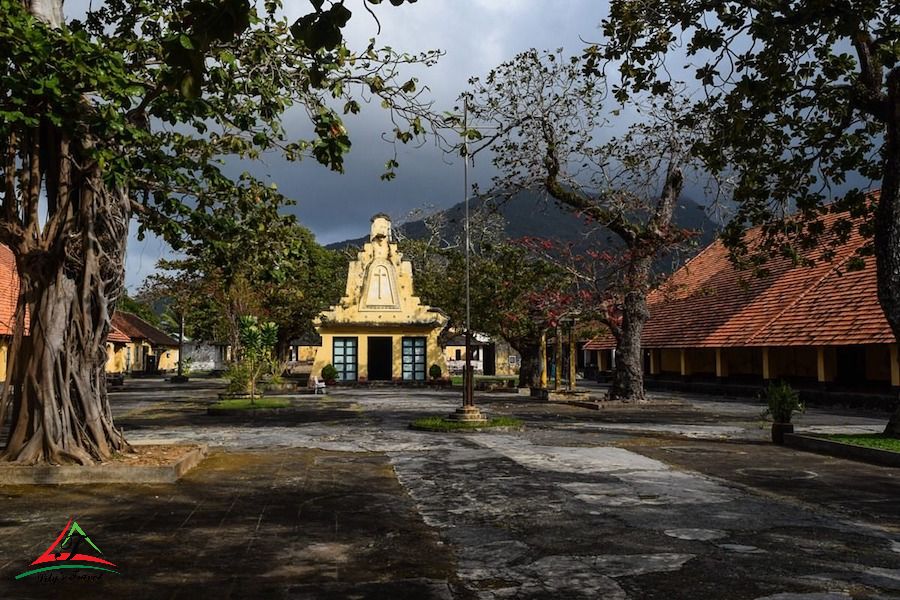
[238, 379]
[435, 372]
[329, 373]
[783, 401]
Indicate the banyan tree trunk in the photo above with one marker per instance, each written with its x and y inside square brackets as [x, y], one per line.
[61, 412]
[71, 271]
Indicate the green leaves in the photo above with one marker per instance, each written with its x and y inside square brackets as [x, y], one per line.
[321, 30]
[794, 95]
[257, 339]
[159, 95]
[202, 25]
[332, 142]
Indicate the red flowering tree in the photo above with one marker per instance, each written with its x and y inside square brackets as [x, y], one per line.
[544, 113]
[510, 292]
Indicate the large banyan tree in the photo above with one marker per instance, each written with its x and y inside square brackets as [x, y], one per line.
[128, 112]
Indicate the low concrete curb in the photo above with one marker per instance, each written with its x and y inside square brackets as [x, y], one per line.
[586, 404]
[885, 458]
[485, 429]
[109, 473]
[247, 412]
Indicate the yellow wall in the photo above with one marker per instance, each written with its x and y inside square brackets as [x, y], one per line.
[307, 354]
[379, 301]
[503, 352]
[4, 354]
[670, 360]
[115, 357]
[433, 352]
[168, 357]
[878, 363]
[450, 352]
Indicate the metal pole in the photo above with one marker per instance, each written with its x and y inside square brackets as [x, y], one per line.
[181, 347]
[468, 394]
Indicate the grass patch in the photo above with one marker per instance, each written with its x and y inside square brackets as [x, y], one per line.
[244, 403]
[442, 424]
[868, 440]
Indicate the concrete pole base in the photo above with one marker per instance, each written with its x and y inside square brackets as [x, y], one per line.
[467, 414]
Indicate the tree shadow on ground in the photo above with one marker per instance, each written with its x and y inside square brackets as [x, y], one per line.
[242, 525]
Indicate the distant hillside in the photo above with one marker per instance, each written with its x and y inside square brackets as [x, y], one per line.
[528, 214]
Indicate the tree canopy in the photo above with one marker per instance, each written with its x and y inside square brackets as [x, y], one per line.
[135, 110]
[803, 102]
[543, 112]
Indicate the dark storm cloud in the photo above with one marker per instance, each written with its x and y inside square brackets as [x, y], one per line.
[476, 35]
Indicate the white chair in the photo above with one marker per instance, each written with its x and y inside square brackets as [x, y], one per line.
[318, 385]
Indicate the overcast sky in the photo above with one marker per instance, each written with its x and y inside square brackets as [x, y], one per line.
[475, 35]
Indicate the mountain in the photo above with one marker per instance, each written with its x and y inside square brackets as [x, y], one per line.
[530, 214]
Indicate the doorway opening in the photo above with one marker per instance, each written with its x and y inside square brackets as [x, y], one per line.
[380, 359]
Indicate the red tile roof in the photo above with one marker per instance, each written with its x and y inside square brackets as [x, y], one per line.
[709, 304]
[117, 336]
[138, 329]
[9, 290]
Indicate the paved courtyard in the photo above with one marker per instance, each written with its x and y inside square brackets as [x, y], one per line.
[685, 498]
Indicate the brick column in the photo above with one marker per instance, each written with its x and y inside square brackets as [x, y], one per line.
[558, 360]
[543, 359]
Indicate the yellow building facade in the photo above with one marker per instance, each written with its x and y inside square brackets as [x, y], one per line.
[380, 331]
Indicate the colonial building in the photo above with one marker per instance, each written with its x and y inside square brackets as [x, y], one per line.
[116, 341]
[9, 293]
[148, 350]
[817, 326]
[117, 349]
[380, 331]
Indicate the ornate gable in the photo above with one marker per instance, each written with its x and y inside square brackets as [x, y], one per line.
[380, 287]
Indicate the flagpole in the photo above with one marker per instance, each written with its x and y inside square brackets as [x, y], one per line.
[468, 412]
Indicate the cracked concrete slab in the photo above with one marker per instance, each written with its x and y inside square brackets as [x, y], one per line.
[582, 504]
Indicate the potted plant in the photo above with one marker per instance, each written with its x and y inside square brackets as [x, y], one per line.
[329, 374]
[435, 372]
[783, 401]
